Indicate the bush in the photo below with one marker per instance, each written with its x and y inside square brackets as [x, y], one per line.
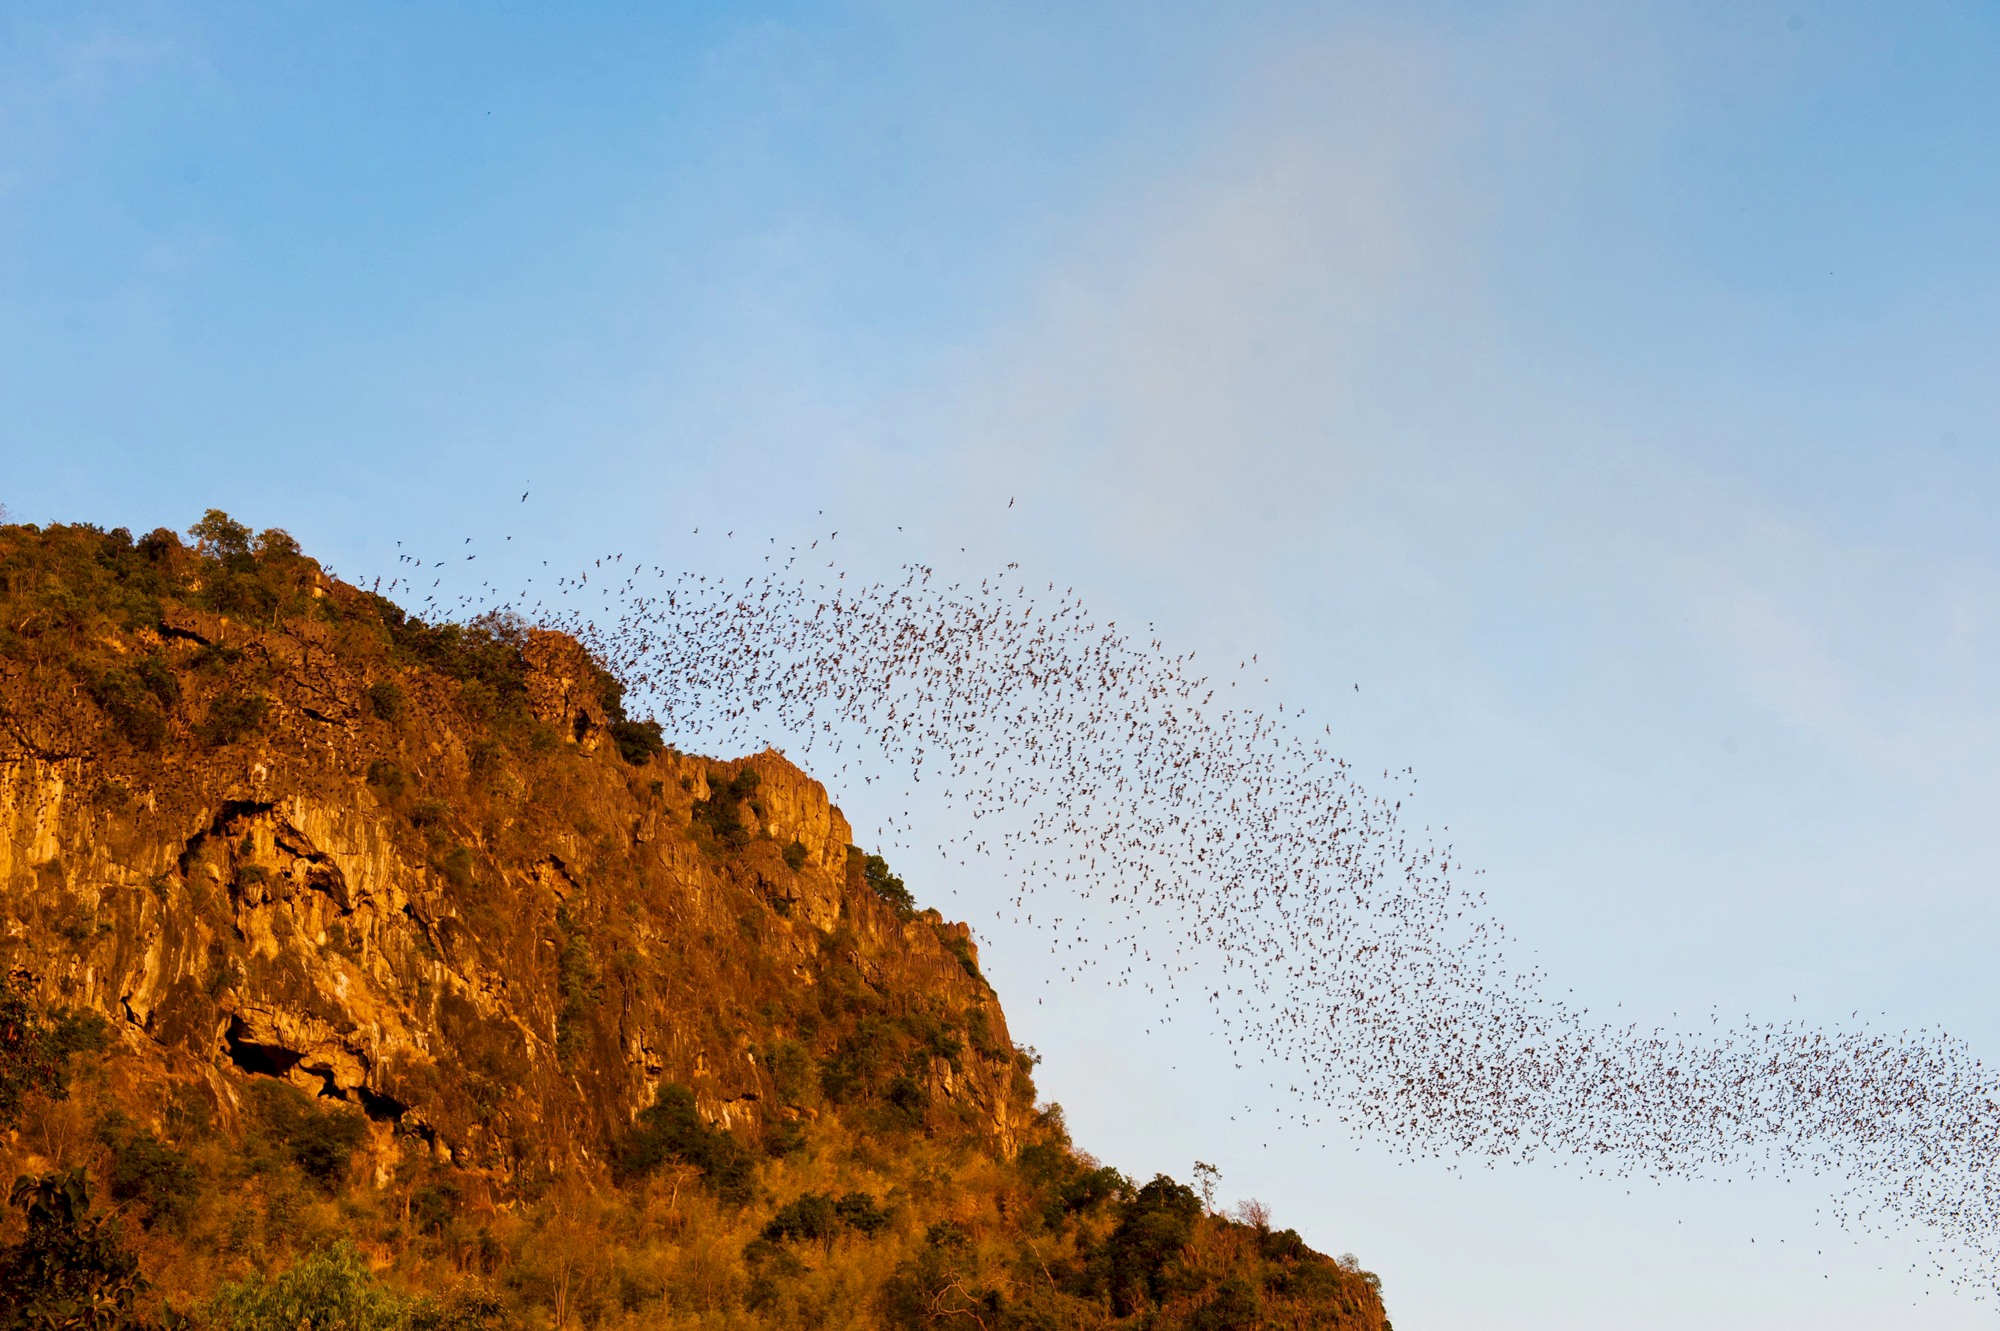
[220, 536]
[70, 1270]
[948, 1235]
[875, 872]
[816, 1218]
[808, 1218]
[638, 741]
[785, 1137]
[579, 986]
[385, 699]
[1068, 1186]
[941, 1286]
[961, 947]
[457, 867]
[148, 1172]
[484, 657]
[135, 701]
[795, 856]
[35, 1047]
[671, 1131]
[859, 1212]
[793, 1075]
[435, 1205]
[328, 1290]
[231, 716]
[484, 759]
[430, 814]
[320, 1141]
[1233, 1307]
[719, 812]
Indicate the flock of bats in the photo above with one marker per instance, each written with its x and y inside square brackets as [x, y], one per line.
[1168, 834]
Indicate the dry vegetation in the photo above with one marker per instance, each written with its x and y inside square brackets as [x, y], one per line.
[892, 1168]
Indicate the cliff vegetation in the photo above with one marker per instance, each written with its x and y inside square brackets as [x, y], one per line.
[364, 972]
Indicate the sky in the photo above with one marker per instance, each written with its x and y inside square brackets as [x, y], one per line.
[1597, 387]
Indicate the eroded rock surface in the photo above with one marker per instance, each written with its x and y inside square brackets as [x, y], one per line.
[452, 905]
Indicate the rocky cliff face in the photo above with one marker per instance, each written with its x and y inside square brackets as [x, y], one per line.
[428, 977]
[422, 871]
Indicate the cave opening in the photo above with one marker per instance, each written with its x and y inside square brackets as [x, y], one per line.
[382, 1108]
[268, 1060]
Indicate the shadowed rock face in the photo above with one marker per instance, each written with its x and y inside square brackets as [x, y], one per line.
[421, 881]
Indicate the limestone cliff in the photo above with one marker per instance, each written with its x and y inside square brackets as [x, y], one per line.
[411, 869]
[395, 957]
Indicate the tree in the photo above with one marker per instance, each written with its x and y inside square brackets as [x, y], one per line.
[1206, 1176]
[875, 870]
[1152, 1230]
[221, 535]
[671, 1131]
[328, 1290]
[70, 1272]
[34, 1051]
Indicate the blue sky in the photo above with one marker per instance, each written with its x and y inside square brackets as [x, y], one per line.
[1606, 390]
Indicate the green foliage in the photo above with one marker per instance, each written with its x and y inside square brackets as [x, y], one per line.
[784, 1137]
[941, 1286]
[328, 1290]
[386, 777]
[435, 1205]
[58, 586]
[1153, 1227]
[960, 948]
[638, 741]
[795, 855]
[882, 1063]
[136, 700]
[611, 694]
[483, 656]
[818, 1218]
[948, 1235]
[258, 579]
[1233, 1306]
[220, 536]
[429, 814]
[792, 1072]
[70, 1271]
[809, 1218]
[320, 1141]
[385, 699]
[147, 1172]
[35, 1047]
[858, 1066]
[457, 867]
[671, 1131]
[859, 1212]
[231, 716]
[875, 872]
[1071, 1188]
[579, 985]
[720, 814]
[485, 760]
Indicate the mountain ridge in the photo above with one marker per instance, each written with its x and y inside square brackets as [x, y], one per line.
[407, 943]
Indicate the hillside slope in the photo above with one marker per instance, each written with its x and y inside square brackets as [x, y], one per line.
[395, 954]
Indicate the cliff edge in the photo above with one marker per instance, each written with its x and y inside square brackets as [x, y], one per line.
[402, 942]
